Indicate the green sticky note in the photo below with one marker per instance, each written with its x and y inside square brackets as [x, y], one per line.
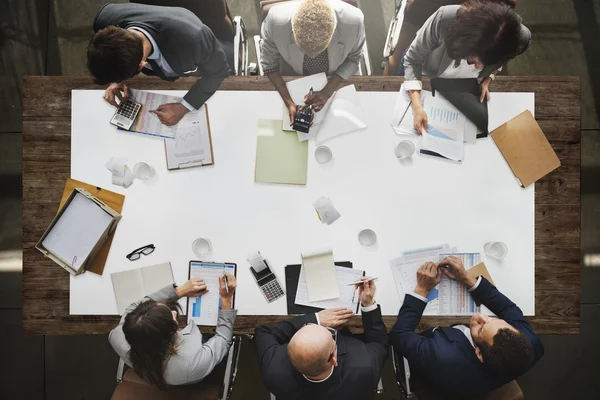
[280, 157]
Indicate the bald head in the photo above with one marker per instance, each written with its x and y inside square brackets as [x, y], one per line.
[310, 348]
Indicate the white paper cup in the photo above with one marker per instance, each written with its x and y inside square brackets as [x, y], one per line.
[323, 154]
[201, 247]
[405, 149]
[143, 171]
[367, 237]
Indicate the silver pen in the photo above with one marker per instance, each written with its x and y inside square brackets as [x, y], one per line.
[226, 284]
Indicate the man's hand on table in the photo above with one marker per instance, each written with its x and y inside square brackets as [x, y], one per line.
[119, 90]
[334, 317]
[453, 268]
[428, 276]
[171, 113]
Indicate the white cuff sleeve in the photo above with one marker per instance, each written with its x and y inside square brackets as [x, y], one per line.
[418, 296]
[188, 105]
[370, 308]
[413, 85]
[475, 286]
[317, 317]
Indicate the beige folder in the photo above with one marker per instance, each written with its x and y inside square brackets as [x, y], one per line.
[525, 148]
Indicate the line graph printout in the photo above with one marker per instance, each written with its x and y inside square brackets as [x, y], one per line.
[204, 310]
[192, 146]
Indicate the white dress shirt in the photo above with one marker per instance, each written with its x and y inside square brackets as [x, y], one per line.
[160, 60]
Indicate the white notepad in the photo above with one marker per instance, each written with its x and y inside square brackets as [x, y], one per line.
[133, 285]
[77, 231]
[321, 277]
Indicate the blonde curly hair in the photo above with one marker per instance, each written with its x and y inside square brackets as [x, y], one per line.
[313, 25]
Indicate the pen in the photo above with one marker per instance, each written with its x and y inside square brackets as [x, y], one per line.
[226, 284]
[360, 282]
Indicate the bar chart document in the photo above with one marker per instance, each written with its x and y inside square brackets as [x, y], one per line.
[147, 121]
[454, 296]
[446, 130]
[404, 270]
[204, 310]
[192, 145]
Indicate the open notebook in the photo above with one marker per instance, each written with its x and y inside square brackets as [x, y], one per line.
[135, 284]
[342, 113]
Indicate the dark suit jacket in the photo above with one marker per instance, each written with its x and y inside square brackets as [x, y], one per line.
[187, 44]
[355, 377]
[444, 357]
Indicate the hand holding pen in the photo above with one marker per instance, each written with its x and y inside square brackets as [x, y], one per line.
[366, 291]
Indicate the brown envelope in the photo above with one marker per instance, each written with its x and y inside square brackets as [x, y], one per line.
[525, 148]
[111, 199]
[480, 270]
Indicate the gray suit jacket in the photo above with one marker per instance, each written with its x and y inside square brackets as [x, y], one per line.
[344, 51]
[427, 54]
[194, 360]
[189, 46]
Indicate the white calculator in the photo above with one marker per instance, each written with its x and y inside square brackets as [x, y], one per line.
[265, 278]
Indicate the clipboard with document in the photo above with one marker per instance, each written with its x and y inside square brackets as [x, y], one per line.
[204, 309]
[192, 146]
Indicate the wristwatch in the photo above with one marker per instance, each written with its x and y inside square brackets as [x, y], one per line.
[492, 77]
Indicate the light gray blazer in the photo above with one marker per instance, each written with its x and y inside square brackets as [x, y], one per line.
[344, 51]
[427, 54]
[194, 360]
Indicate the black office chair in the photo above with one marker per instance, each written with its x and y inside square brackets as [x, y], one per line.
[217, 386]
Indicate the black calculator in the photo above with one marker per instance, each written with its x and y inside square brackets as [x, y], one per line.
[268, 283]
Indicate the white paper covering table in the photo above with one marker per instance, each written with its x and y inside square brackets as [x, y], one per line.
[420, 203]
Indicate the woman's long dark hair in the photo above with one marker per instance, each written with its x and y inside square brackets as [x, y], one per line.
[151, 332]
[487, 29]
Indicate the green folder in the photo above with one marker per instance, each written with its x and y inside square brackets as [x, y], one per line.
[280, 157]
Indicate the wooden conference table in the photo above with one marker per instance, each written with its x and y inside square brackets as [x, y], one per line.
[47, 162]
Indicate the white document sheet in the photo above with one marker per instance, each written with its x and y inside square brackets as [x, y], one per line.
[191, 146]
[133, 285]
[505, 106]
[204, 310]
[77, 231]
[321, 279]
[344, 115]
[446, 128]
[347, 298]
[327, 212]
[404, 270]
[298, 89]
[147, 121]
[403, 117]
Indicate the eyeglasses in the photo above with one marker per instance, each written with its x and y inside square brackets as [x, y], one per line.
[334, 334]
[136, 254]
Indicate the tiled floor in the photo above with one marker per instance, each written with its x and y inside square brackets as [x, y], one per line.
[50, 36]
